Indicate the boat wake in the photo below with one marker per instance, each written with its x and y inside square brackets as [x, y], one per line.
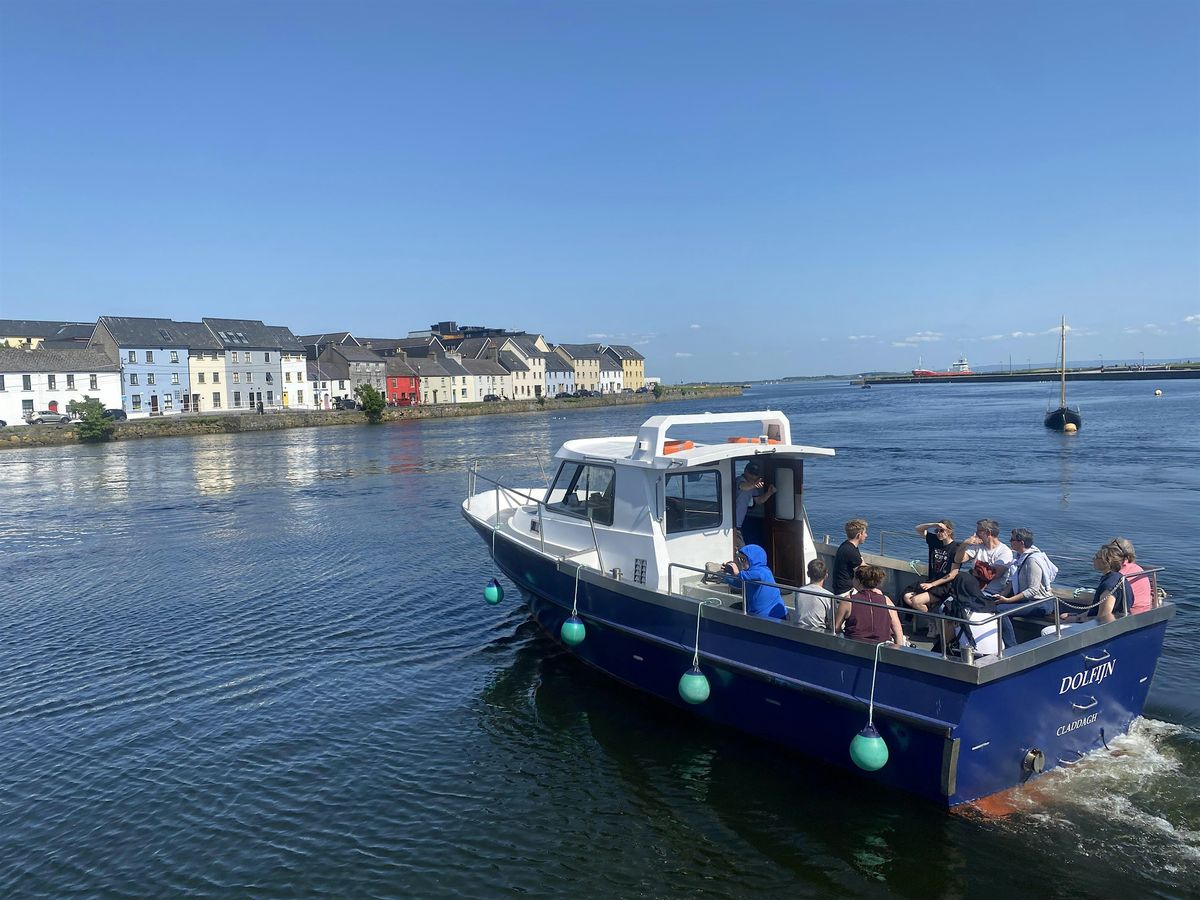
[1133, 806]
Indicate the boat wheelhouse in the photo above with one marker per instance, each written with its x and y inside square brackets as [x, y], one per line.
[619, 547]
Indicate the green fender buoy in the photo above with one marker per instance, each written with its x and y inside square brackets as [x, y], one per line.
[493, 593]
[868, 750]
[573, 631]
[693, 686]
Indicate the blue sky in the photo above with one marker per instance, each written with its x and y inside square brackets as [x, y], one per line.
[742, 190]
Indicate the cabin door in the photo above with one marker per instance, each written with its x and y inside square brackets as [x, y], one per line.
[783, 520]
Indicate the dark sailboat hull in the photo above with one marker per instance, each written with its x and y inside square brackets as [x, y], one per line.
[1059, 418]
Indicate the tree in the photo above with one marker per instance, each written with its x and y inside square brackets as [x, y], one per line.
[372, 402]
[93, 426]
[658, 390]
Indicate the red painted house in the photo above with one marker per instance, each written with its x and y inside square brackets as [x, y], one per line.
[403, 384]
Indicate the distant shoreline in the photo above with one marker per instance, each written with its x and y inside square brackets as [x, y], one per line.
[191, 424]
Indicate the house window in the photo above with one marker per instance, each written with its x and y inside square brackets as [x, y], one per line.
[270, 398]
[93, 383]
[133, 377]
[266, 357]
[27, 382]
[167, 400]
[149, 356]
[693, 501]
[237, 398]
[270, 378]
[52, 382]
[136, 402]
[287, 376]
[200, 378]
[299, 398]
[584, 491]
[133, 356]
[464, 390]
[341, 384]
[216, 399]
[174, 356]
[26, 409]
[233, 356]
[70, 382]
[237, 377]
[216, 377]
[149, 378]
[174, 378]
[1, 382]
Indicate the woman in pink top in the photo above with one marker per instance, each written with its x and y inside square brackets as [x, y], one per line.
[1141, 586]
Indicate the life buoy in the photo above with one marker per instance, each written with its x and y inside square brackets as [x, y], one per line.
[676, 446]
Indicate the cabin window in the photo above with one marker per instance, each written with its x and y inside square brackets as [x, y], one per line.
[693, 501]
[585, 491]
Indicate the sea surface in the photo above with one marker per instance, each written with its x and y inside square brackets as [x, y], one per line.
[260, 664]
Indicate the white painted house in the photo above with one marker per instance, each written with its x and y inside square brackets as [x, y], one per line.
[35, 381]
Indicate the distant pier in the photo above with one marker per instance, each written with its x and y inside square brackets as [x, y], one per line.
[1116, 373]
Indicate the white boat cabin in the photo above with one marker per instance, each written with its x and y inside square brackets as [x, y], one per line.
[667, 496]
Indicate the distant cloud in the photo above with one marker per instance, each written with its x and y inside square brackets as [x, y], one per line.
[681, 355]
[824, 340]
[1149, 328]
[1192, 320]
[693, 325]
[598, 337]
[993, 337]
[922, 337]
[902, 344]
[860, 337]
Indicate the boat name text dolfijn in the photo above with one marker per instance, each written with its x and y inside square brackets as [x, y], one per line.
[1094, 675]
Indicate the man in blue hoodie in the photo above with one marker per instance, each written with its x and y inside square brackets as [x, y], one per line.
[750, 565]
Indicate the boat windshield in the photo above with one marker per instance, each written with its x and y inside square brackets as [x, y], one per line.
[585, 491]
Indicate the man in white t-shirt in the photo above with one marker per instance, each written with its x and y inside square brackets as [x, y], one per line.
[814, 604]
[985, 546]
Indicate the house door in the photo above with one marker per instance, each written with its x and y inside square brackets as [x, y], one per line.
[153, 404]
[53, 407]
[196, 402]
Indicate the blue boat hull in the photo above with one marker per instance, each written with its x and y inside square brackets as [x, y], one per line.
[951, 740]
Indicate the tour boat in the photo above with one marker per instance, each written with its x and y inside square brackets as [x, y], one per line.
[1064, 418]
[614, 560]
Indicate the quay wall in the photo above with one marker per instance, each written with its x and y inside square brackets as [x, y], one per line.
[186, 424]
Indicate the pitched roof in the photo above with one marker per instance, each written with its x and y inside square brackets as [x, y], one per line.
[420, 346]
[330, 365]
[136, 331]
[473, 348]
[398, 366]
[608, 364]
[512, 362]
[528, 344]
[555, 363]
[51, 331]
[288, 342]
[623, 351]
[235, 334]
[354, 353]
[427, 367]
[484, 367]
[582, 351]
[196, 336]
[337, 337]
[78, 360]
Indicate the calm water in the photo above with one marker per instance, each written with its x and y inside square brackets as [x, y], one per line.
[261, 664]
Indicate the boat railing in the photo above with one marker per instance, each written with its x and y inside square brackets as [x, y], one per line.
[473, 477]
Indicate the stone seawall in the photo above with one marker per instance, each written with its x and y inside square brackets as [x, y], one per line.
[186, 424]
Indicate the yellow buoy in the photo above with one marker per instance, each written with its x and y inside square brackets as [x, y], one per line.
[1070, 428]
[1158, 392]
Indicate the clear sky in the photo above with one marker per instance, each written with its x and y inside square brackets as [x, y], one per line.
[740, 189]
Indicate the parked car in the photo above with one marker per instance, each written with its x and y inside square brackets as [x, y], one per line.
[491, 398]
[642, 390]
[48, 417]
[117, 415]
[563, 395]
[345, 403]
[3, 424]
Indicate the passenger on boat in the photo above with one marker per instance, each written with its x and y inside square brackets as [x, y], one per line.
[749, 566]
[750, 487]
[848, 558]
[869, 614]
[939, 581]
[1028, 578]
[1113, 595]
[1138, 582]
[814, 604]
[986, 547]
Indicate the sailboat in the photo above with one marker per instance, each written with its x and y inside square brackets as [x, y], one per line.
[1064, 418]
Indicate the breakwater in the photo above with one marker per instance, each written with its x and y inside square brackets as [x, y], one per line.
[1150, 373]
[187, 424]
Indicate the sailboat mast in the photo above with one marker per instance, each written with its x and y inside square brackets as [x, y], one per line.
[1062, 351]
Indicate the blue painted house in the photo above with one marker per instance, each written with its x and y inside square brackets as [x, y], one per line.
[153, 356]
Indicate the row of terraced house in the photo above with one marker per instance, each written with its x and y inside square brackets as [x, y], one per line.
[150, 367]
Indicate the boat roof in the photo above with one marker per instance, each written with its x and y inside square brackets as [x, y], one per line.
[751, 433]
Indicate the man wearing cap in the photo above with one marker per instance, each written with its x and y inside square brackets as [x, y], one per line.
[750, 487]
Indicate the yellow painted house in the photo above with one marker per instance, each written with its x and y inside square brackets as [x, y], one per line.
[633, 365]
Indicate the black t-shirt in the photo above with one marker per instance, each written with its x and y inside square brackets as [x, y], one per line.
[845, 562]
[941, 556]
